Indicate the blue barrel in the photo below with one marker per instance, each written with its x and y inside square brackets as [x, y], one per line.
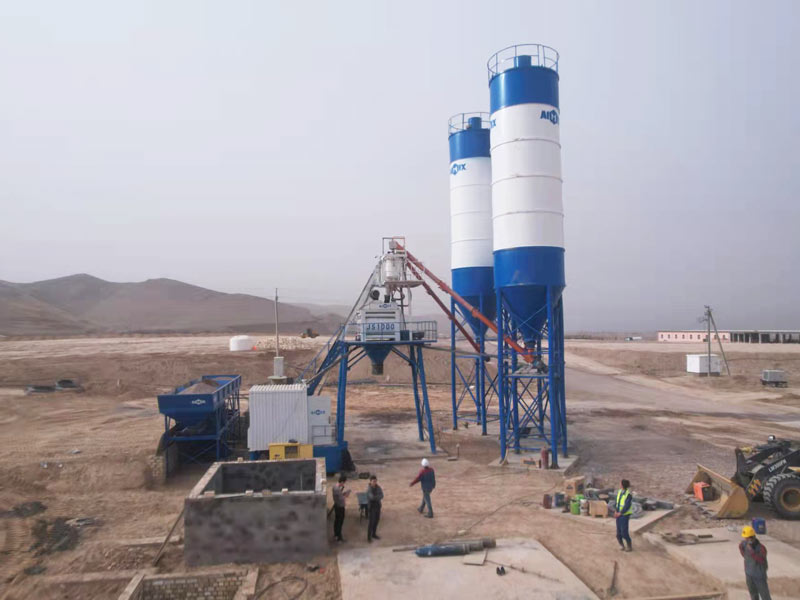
[760, 525]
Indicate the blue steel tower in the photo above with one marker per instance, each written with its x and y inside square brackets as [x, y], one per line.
[471, 258]
[528, 234]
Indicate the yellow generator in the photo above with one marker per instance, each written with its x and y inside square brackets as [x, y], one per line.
[286, 450]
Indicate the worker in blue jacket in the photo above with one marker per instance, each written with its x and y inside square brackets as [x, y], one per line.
[427, 480]
[623, 509]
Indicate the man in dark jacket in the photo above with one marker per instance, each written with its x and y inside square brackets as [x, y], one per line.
[374, 499]
[623, 509]
[755, 564]
[340, 495]
[427, 480]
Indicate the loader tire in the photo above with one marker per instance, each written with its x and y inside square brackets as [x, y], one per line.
[769, 486]
[782, 494]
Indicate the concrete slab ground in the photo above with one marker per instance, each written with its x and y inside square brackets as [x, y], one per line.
[648, 518]
[722, 560]
[372, 441]
[368, 573]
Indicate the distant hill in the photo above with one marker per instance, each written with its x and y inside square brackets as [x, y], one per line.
[83, 304]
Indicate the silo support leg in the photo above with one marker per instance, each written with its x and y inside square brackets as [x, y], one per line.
[427, 407]
[453, 363]
[414, 379]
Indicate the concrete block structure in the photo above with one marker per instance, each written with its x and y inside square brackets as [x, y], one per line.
[257, 512]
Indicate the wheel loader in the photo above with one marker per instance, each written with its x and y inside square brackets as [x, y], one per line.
[769, 473]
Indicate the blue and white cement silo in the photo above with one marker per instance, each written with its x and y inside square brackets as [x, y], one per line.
[528, 234]
[471, 257]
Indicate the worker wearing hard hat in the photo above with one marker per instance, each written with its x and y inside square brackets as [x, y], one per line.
[427, 480]
[755, 564]
[623, 509]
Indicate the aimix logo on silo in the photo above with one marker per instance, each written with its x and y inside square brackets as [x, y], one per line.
[550, 115]
[457, 168]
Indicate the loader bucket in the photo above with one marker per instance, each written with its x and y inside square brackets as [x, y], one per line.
[728, 498]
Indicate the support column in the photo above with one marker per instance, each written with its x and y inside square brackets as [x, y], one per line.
[453, 363]
[562, 387]
[482, 379]
[341, 394]
[414, 368]
[514, 402]
[553, 399]
[501, 373]
[426, 405]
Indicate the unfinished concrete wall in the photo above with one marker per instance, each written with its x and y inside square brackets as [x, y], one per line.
[227, 520]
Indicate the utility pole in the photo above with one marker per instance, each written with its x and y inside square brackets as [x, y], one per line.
[708, 338]
[277, 335]
[709, 318]
[719, 339]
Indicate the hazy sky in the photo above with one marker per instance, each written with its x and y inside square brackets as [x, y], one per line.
[247, 145]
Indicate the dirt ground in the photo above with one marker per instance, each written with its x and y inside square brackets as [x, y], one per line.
[667, 361]
[84, 455]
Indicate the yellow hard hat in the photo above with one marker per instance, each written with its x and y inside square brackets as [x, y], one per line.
[748, 532]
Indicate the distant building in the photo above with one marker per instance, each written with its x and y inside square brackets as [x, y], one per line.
[742, 336]
[691, 335]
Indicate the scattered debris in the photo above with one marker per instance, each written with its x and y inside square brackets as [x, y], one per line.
[458, 453]
[166, 539]
[522, 570]
[24, 510]
[476, 559]
[612, 589]
[34, 570]
[39, 389]
[56, 536]
[75, 451]
[82, 522]
[687, 539]
[282, 582]
[68, 385]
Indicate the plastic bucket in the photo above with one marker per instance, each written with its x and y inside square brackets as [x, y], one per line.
[575, 507]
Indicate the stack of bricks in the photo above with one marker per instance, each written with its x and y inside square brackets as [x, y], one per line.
[158, 464]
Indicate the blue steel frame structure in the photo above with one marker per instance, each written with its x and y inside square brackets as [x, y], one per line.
[199, 418]
[477, 382]
[354, 351]
[347, 354]
[532, 396]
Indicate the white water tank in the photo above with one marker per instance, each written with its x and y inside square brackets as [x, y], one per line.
[241, 343]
